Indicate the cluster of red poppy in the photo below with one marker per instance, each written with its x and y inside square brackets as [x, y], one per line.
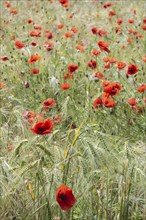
[99, 32]
[69, 75]
[133, 103]
[110, 89]
[32, 117]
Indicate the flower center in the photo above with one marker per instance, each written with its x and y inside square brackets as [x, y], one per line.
[62, 196]
[41, 129]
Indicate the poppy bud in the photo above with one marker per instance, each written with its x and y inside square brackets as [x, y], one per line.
[22, 73]
[26, 84]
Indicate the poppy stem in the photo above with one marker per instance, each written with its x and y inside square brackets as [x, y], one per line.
[68, 214]
[66, 166]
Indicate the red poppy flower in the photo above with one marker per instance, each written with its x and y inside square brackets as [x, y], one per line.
[10, 147]
[109, 4]
[105, 96]
[19, 44]
[106, 59]
[35, 34]
[64, 3]
[5, 58]
[33, 44]
[66, 76]
[105, 83]
[57, 119]
[129, 40]
[37, 27]
[2, 84]
[35, 71]
[139, 36]
[97, 103]
[94, 30]
[121, 65]
[131, 21]
[112, 13]
[143, 27]
[30, 21]
[118, 30]
[132, 32]
[144, 20]
[141, 88]
[119, 21]
[134, 108]
[72, 68]
[107, 65]
[74, 30]
[132, 101]
[109, 59]
[34, 58]
[92, 64]
[123, 47]
[95, 52]
[103, 46]
[60, 26]
[49, 46]
[43, 128]
[68, 35]
[29, 116]
[71, 15]
[134, 11]
[99, 75]
[49, 35]
[112, 88]
[144, 58]
[65, 86]
[101, 33]
[13, 11]
[49, 103]
[65, 197]
[80, 48]
[107, 102]
[132, 69]
[8, 5]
